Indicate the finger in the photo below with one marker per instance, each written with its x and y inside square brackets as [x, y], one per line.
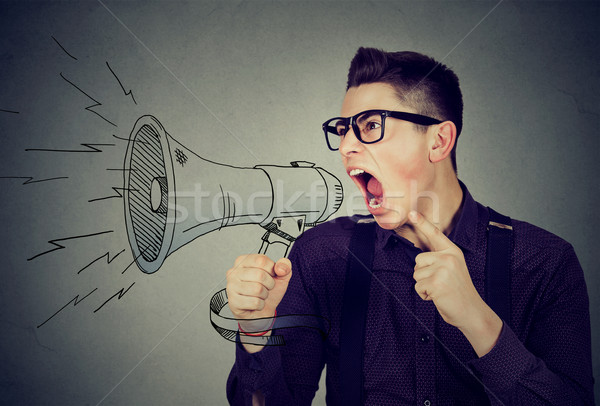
[425, 259]
[253, 289]
[247, 303]
[283, 267]
[423, 273]
[437, 240]
[421, 288]
[240, 259]
[257, 275]
[255, 261]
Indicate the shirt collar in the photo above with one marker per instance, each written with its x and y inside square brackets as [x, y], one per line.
[463, 234]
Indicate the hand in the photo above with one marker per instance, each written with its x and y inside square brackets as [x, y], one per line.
[255, 286]
[442, 276]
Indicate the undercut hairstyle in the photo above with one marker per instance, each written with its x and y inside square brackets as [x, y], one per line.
[420, 82]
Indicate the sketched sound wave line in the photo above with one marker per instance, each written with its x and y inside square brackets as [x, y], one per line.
[90, 148]
[60, 246]
[179, 80]
[118, 195]
[30, 179]
[91, 107]
[75, 299]
[109, 260]
[126, 92]
[119, 295]
[63, 48]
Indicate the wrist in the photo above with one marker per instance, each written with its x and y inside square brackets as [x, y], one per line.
[483, 330]
[257, 327]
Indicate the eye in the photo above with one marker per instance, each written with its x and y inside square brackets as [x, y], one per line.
[341, 128]
[372, 125]
[369, 122]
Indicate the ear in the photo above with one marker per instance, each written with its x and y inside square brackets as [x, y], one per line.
[443, 141]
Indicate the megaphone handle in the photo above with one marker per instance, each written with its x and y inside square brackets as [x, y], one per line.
[274, 249]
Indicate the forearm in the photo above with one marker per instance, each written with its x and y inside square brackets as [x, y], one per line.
[483, 330]
[512, 375]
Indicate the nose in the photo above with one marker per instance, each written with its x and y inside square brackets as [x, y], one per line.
[349, 143]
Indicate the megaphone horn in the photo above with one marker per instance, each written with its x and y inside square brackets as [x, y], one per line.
[173, 195]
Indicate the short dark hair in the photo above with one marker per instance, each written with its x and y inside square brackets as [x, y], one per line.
[421, 82]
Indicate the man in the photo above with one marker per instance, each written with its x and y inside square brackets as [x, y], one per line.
[430, 337]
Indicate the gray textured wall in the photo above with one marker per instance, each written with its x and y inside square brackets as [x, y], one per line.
[245, 83]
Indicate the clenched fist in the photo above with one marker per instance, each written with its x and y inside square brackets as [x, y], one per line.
[255, 286]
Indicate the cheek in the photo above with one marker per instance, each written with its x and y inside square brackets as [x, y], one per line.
[411, 165]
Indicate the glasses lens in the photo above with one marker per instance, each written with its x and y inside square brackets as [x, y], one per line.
[334, 129]
[370, 126]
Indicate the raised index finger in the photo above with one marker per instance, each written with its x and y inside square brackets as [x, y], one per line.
[437, 240]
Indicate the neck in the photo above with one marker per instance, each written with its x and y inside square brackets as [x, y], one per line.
[442, 211]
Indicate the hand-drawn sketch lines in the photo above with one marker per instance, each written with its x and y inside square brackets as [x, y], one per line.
[173, 196]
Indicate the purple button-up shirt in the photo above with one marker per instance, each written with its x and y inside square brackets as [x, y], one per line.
[411, 355]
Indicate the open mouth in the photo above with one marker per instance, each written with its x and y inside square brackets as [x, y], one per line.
[370, 187]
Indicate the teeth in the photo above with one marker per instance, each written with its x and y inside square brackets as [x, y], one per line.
[373, 203]
[355, 172]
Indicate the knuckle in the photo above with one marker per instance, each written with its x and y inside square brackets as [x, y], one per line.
[265, 278]
[454, 261]
[240, 259]
[230, 272]
[448, 259]
[259, 304]
[262, 261]
[259, 261]
[258, 275]
[258, 290]
[436, 284]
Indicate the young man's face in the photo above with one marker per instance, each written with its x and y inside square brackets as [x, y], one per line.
[396, 168]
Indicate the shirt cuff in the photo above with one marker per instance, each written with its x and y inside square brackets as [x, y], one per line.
[506, 362]
[258, 369]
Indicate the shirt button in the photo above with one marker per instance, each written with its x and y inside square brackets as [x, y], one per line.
[424, 339]
[427, 402]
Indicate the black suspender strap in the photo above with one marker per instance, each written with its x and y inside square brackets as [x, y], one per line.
[497, 268]
[354, 312]
[356, 295]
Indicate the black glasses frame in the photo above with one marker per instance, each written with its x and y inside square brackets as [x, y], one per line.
[351, 122]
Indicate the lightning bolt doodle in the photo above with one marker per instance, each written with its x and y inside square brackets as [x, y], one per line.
[30, 179]
[118, 195]
[89, 108]
[60, 246]
[75, 302]
[127, 93]
[118, 295]
[63, 48]
[108, 259]
[90, 148]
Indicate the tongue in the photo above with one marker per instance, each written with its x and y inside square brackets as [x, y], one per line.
[374, 187]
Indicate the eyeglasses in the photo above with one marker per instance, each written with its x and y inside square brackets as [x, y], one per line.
[368, 126]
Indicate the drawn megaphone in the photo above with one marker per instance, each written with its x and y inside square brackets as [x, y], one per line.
[173, 195]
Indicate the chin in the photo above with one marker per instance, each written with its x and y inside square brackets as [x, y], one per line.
[390, 219]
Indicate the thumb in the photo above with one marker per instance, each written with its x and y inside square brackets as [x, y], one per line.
[283, 268]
